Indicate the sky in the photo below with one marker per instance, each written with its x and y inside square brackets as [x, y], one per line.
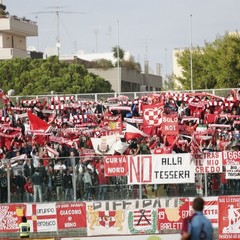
[148, 29]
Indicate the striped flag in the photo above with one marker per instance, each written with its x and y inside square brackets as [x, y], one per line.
[133, 132]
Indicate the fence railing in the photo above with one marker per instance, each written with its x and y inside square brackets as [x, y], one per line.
[116, 188]
[131, 95]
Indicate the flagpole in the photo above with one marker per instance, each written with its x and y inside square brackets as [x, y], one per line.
[191, 57]
[118, 61]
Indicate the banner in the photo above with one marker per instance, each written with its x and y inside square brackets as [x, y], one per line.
[232, 163]
[71, 215]
[161, 169]
[10, 217]
[105, 144]
[125, 216]
[210, 162]
[42, 217]
[114, 122]
[115, 166]
[229, 217]
[171, 218]
[101, 220]
[170, 124]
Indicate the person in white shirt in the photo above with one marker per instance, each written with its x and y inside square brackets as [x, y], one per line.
[59, 166]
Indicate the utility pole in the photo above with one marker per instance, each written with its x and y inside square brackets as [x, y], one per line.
[57, 11]
[118, 60]
[191, 57]
[96, 38]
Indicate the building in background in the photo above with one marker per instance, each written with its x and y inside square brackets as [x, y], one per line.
[121, 79]
[13, 35]
[177, 69]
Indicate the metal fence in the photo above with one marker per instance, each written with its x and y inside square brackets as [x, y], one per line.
[117, 188]
[131, 95]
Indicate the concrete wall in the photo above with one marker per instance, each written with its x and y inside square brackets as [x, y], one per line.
[131, 80]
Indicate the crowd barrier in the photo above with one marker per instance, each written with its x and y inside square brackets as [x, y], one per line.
[123, 217]
[145, 176]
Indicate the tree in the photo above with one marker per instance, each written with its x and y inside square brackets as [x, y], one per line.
[130, 64]
[117, 50]
[103, 63]
[38, 76]
[216, 65]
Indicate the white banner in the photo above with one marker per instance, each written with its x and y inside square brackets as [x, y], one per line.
[126, 216]
[233, 170]
[42, 217]
[105, 144]
[161, 169]
[210, 162]
[232, 161]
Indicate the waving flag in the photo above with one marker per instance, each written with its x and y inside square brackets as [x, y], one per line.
[37, 124]
[40, 129]
[133, 132]
[152, 114]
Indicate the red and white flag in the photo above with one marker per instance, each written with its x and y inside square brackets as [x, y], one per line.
[133, 132]
[42, 217]
[152, 114]
[113, 122]
[39, 127]
[37, 124]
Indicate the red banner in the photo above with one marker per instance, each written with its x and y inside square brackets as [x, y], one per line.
[71, 215]
[113, 122]
[230, 156]
[170, 124]
[172, 218]
[10, 217]
[116, 165]
[229, 217]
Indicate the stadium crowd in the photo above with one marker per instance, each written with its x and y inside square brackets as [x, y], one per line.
[46, 145]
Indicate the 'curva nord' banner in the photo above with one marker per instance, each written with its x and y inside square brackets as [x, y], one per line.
[161, 169]
[115, 165]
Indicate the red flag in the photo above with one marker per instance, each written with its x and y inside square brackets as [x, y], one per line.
[39, 127]
[37, 124]
[133, 132]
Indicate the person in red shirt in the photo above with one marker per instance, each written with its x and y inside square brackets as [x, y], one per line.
[28, 187]
[168, 147]
[190, 127]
